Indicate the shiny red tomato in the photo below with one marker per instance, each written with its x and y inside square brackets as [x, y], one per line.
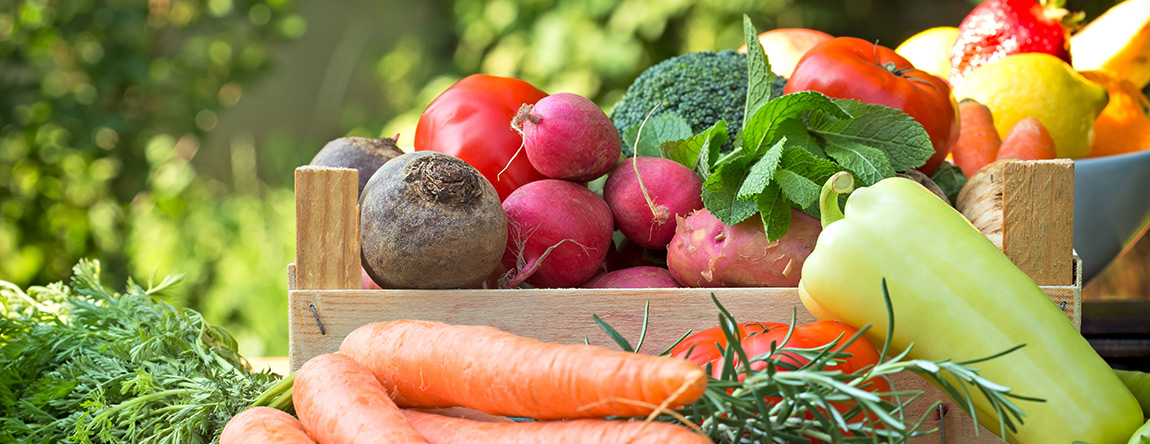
[471, 120]
[851, 68]
[703, 347]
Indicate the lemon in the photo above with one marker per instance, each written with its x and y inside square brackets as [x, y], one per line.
[930, 50]
[1040, 86]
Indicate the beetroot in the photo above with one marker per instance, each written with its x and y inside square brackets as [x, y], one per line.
[634, 277]
[707, 253]
[558, 234]
[646, 213]
[361, 153]
[568, 137]
[430, 220]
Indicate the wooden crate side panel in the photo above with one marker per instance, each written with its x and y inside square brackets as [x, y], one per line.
[561, 315]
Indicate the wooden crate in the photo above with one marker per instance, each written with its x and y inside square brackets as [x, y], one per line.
[326, 304]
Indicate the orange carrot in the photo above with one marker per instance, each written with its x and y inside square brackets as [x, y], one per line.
[429, 364]
[1027, 140]
[978, 141]
[339, 402]
[264, 425]
[444, 430]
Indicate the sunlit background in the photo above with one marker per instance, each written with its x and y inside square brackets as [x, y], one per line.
[160, 136]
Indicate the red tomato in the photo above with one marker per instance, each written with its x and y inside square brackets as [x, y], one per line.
[757, 339]
[471, 120]
[703, 347]
[851, 68]
[814, 335]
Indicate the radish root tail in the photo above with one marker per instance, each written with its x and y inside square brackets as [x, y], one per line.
[523, 115]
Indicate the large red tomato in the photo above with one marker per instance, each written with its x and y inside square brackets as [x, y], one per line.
[471, 120]
[851, 68]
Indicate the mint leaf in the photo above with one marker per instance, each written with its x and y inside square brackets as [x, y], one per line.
[720, 190]
[805, 164]
[800, 190]
[664, 127]
[795, 130]
[868, 164]
[950, 179]
[709, 152]
[775, 210]
[759, 75]
[761, 172]
[698, 150]
[764, 126]
[897, 135]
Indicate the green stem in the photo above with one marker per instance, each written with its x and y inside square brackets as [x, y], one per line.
[139, 400]
[841, 183]
[275, 392]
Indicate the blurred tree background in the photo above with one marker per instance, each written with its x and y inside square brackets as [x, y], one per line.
[160, 136]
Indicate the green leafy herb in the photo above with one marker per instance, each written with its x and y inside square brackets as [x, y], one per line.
[791, 143]
[720, 192]
[84, 364]
[759, 71]
[762, 172]
[655, 131]
[700, 151]
[951, 180]
[896, 134]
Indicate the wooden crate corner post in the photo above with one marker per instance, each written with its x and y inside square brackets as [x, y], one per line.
[327, 237]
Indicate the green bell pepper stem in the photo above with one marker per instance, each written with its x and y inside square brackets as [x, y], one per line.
[841, 183]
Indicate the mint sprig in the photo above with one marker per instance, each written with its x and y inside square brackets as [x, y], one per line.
[788, 145]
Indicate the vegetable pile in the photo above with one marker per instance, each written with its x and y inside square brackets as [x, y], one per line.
[762, 382]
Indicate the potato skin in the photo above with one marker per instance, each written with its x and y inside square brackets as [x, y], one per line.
[430, 220]
[705, 252]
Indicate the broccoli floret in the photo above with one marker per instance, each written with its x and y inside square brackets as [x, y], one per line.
[702, 87]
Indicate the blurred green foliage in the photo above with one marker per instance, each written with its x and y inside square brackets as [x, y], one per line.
[116, 140]
[102, 106]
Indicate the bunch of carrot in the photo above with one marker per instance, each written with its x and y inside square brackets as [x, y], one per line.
[978, 143]
[370, 390]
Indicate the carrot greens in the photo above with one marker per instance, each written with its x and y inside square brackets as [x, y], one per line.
[84, 364]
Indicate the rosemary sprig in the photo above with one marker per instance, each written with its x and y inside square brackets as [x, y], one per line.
[785, 403]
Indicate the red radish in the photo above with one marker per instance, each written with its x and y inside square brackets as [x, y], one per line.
[339, 401]
[558, 234]
[629, 254]
[708, 253]
[646, 194]
[264, 425]
[430, 364]
[634, 277]
[444, 430]
[567, 136]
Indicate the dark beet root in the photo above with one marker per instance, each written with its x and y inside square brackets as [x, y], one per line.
[430, 220]
[360, 153]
